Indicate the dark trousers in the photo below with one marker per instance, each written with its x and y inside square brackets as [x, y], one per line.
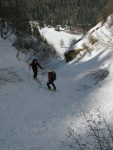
[52, 83]
[35, 74]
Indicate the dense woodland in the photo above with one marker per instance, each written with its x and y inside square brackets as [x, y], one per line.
[70, 12]
[73, 13]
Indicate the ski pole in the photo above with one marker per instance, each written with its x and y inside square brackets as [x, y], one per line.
[43, 84]
[29, 72]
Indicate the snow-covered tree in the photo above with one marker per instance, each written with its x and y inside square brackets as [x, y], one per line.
[62, 43]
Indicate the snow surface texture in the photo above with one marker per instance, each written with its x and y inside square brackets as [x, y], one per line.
[33, 118]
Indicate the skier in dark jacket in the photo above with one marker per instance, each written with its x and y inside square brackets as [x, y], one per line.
[35, 66]
[51, 81]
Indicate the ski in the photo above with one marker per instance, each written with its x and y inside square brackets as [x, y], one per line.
[45, 87]
[52, 90]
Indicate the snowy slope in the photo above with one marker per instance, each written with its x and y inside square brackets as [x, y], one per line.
[34, 118]
[54, 38]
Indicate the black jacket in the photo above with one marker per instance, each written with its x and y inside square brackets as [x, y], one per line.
[35, 66]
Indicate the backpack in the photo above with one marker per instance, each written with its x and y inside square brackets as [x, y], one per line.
[52, 75]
